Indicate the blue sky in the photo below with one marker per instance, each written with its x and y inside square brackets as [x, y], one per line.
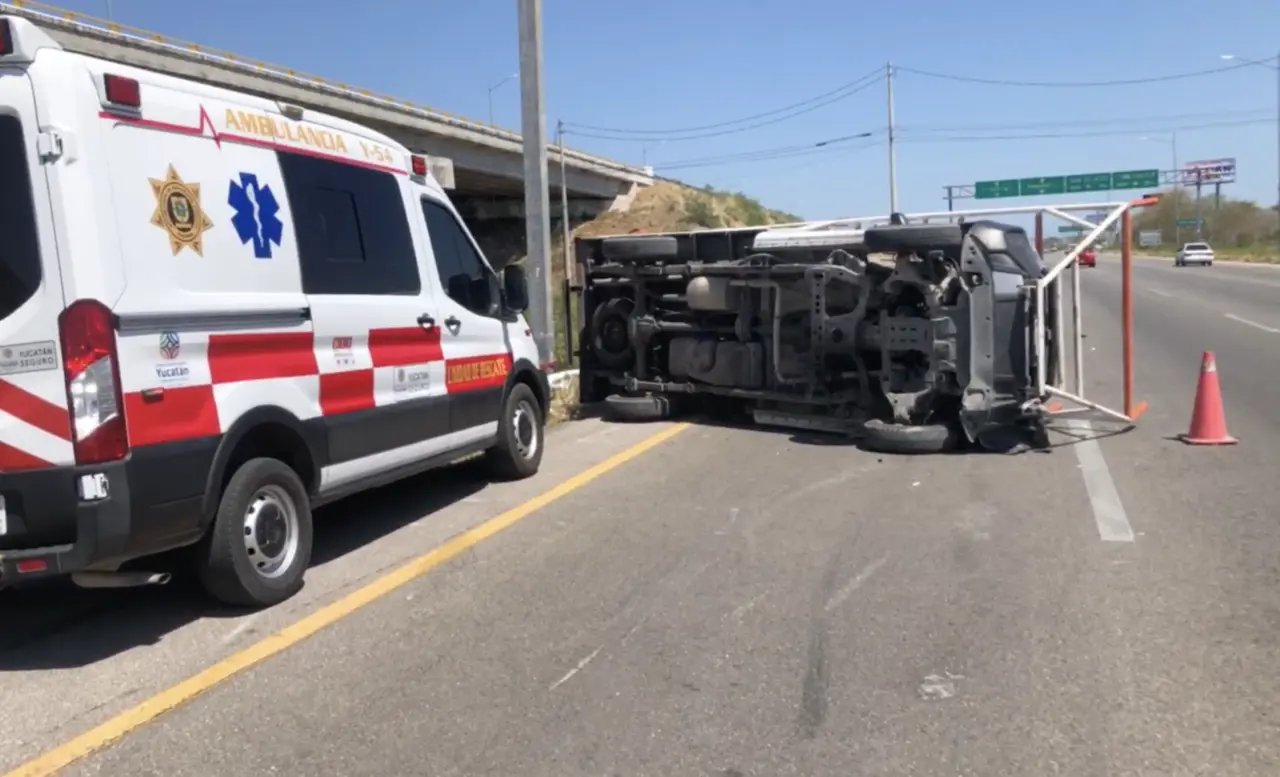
[675, 64]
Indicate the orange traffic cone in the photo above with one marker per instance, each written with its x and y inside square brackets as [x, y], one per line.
[1208, 421]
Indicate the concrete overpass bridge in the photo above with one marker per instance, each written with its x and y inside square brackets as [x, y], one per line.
[481, 164]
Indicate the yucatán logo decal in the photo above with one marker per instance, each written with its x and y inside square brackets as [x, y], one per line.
[256, 220]
[170, 345]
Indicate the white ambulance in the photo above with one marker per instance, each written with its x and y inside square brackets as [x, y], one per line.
[218, 312]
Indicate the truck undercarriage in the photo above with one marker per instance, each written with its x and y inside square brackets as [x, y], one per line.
[911, 336]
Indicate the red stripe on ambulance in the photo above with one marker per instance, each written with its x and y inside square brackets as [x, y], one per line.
[12, 459]
[477, 372]
[167, 415]
[261, 356]
[346, 392]
[402, 346]
[34, 410]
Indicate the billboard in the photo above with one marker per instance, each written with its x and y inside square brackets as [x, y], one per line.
[1208, 171]
[1150, 237]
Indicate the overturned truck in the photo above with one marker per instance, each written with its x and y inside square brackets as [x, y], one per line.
[913, 337]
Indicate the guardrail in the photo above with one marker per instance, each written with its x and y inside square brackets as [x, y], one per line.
[112, 31]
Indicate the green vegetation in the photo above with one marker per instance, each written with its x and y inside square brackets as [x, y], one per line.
[700, 210]
[1237, 229]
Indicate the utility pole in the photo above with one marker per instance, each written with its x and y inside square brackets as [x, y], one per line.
[564, 205]
[1177, 193]
[956, 191]
[1199, 213]
[893, 174]
[537, 226]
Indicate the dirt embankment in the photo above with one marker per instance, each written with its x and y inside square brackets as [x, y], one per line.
[663, 207]
[670, 207]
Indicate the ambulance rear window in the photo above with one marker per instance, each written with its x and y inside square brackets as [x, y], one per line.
[19, 249]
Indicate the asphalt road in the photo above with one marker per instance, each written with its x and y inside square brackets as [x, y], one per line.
[743, 602]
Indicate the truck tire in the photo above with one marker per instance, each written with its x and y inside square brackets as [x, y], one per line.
[259, 546]
[610, 338]
[909, 438]
[912, 237]
[646, 407]
[521, 434]
[641, 249]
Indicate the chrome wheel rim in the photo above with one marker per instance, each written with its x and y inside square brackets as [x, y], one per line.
[524, 427]
[271, 532]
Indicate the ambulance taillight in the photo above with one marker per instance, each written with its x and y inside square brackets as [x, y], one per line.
[91, 368]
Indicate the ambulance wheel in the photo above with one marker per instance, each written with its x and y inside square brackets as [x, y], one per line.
[521, 432]
[260, 544]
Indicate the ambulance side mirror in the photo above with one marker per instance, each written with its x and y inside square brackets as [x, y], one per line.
[515, 288]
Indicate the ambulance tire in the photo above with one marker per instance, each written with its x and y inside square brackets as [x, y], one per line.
[521, 436]
[264, 514]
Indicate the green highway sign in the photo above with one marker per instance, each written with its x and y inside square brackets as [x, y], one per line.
[1070, 230]
[1067, 184]
[1092, 182]
[1188, 222]
[989, 190]
[1053, 184]
[1136, 179]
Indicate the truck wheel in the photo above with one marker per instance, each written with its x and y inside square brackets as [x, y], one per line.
[646, 407]
[260, 544]
[919, 238]
[640, 249]
[518, 453]
[909, 438]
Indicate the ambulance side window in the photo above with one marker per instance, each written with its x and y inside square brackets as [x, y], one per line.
[353, 234]
[20, 258]
[466, 278]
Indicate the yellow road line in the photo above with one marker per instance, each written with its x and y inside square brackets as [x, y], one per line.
[97, 738]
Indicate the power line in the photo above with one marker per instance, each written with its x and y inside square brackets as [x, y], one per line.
[735, 130]
[840, 144]
[1251, 113]
[1075, 84]
[764, 155]
[1095, 134]
[770, 158]
[835, 94]
[779, 149]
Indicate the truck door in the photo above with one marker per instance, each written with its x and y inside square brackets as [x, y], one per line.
[35, 426]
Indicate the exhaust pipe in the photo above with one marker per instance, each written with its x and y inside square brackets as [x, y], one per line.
[119, 579]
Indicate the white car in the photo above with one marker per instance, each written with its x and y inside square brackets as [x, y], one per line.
[1194, 253]
[218, 312]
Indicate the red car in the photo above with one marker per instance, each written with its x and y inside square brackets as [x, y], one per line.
[1088, 258]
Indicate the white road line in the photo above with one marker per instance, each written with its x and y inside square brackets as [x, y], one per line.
[581, 665]
[1108, 510]
[1253, 324]
[1161, 293]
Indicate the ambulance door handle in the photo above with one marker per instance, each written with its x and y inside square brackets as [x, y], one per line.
[426, 321]
[453, 323]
